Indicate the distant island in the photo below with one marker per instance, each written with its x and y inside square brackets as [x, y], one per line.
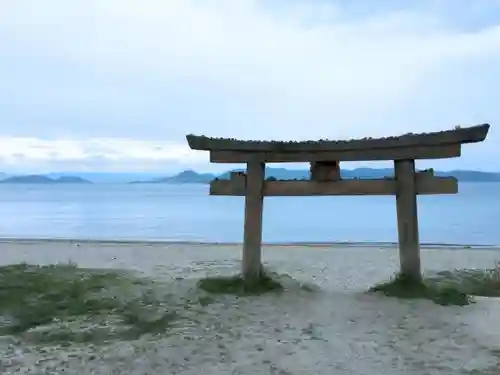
[185, 177]
[41, 179]
[193, 177]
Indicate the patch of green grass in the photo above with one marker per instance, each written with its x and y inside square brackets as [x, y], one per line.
[205, 300]
[457, 287]
[33, 296]
[477, 282]
[237, 286]
[402, 287]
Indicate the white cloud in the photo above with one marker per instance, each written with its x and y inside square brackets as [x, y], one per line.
[99, 154]
[124, 69]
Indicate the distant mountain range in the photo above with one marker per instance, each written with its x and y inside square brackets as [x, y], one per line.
[193, 177]
[185, 177]
[109, 177]
[41, 179]
[190, 176]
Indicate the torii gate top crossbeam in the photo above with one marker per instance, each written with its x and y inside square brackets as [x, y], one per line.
[436, 145]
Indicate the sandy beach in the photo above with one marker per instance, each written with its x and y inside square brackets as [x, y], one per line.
[336, 329]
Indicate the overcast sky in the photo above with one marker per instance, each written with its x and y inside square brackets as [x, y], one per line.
[115, 85]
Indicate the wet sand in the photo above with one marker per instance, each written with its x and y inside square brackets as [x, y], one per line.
[338, 329]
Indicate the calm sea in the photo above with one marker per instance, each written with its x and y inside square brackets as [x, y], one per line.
[187, 212]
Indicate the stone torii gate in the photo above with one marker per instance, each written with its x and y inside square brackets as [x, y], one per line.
[324, 157]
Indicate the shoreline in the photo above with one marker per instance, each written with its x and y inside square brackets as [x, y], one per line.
[309, 244]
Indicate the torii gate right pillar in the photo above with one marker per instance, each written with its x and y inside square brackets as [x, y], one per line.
[406, 204]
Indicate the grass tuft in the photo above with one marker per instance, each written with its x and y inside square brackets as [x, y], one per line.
[477, 282]
[43, 303]
[237, 286]
[456, 287]
[402, 287]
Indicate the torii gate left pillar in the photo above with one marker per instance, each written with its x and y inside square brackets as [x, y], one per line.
[254, 206]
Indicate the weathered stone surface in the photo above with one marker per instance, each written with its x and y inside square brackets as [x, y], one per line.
[455, 136]
[325, 171]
